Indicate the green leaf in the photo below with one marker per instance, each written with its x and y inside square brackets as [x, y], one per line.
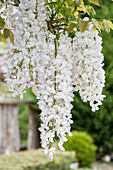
[1, 36]
[106, 25]
[90, 10]
[52, 3]
[6, 33]
[3, 40]
[2, 1]
[71, 26]
[96, 2]
[11, 37]
[110, 23]
[74, 7]
[65, 11]
[2, 22]
[99, 27]
[70, 2]
[83, 25]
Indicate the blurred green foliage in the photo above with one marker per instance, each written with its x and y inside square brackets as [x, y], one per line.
[51, 165]
[36, 160]
[84, 147]
[99, 124]
[23, 123]
[24, 116]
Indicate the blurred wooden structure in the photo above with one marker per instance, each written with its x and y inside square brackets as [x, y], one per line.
[9, 126]
[33, 134]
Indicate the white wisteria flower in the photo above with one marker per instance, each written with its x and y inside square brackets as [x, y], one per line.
[89, 76]
[54, 68]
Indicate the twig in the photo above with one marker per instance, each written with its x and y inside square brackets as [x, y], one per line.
[36, 9]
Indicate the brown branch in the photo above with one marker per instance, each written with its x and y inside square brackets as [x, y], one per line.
[66, 19]
[36, 9]
[60, 20]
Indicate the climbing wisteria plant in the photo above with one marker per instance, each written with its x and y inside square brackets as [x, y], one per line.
[55, 50]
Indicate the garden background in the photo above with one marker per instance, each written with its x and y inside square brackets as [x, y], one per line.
[99, 124]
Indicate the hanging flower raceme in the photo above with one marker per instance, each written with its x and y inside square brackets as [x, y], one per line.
[23, 55]
[89, 76]
[55, 91]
